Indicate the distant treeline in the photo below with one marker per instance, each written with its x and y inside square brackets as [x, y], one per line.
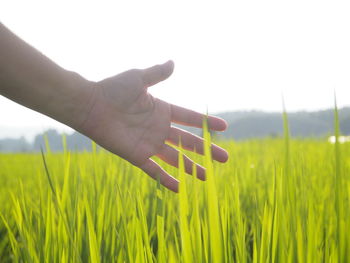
[75, 142]
[245, 125]
[242, 125]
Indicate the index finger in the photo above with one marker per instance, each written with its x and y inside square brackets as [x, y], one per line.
[191, 118]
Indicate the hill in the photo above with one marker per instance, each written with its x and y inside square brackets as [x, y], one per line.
[256, 124]
[242, 125]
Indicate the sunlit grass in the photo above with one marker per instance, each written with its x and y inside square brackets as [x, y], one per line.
[276, 200]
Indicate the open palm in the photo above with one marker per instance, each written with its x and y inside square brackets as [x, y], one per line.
[130, 122]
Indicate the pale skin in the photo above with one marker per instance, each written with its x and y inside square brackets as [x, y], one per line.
[118, 113]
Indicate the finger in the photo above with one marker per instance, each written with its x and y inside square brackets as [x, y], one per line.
[151, 168]
[171, 156]
[195, 143]
[194, 119]
[157, 73]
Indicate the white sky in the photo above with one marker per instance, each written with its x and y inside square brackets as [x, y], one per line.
[229, 55]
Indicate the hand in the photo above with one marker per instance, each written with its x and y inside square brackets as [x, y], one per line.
[118, 112]
[128, 121]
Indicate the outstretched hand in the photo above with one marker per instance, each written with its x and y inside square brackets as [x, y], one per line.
[128, 121]
[118, 112]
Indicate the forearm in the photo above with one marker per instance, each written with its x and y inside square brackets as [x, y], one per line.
[33, 80]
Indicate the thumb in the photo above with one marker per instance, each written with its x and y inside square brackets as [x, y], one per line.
[157, 73]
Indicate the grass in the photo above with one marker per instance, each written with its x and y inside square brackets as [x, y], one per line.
[276, 200]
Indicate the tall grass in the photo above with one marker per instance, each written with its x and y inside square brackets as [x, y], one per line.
[277, 200]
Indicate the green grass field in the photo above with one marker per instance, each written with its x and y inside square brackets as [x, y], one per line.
[276, 200]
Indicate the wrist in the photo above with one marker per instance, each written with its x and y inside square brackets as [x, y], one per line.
[76, 101]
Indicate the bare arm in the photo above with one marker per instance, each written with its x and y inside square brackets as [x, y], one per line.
[33, 80]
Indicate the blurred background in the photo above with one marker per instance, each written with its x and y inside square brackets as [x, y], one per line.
[235, 58]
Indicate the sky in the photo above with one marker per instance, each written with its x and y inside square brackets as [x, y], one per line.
[229, 55]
